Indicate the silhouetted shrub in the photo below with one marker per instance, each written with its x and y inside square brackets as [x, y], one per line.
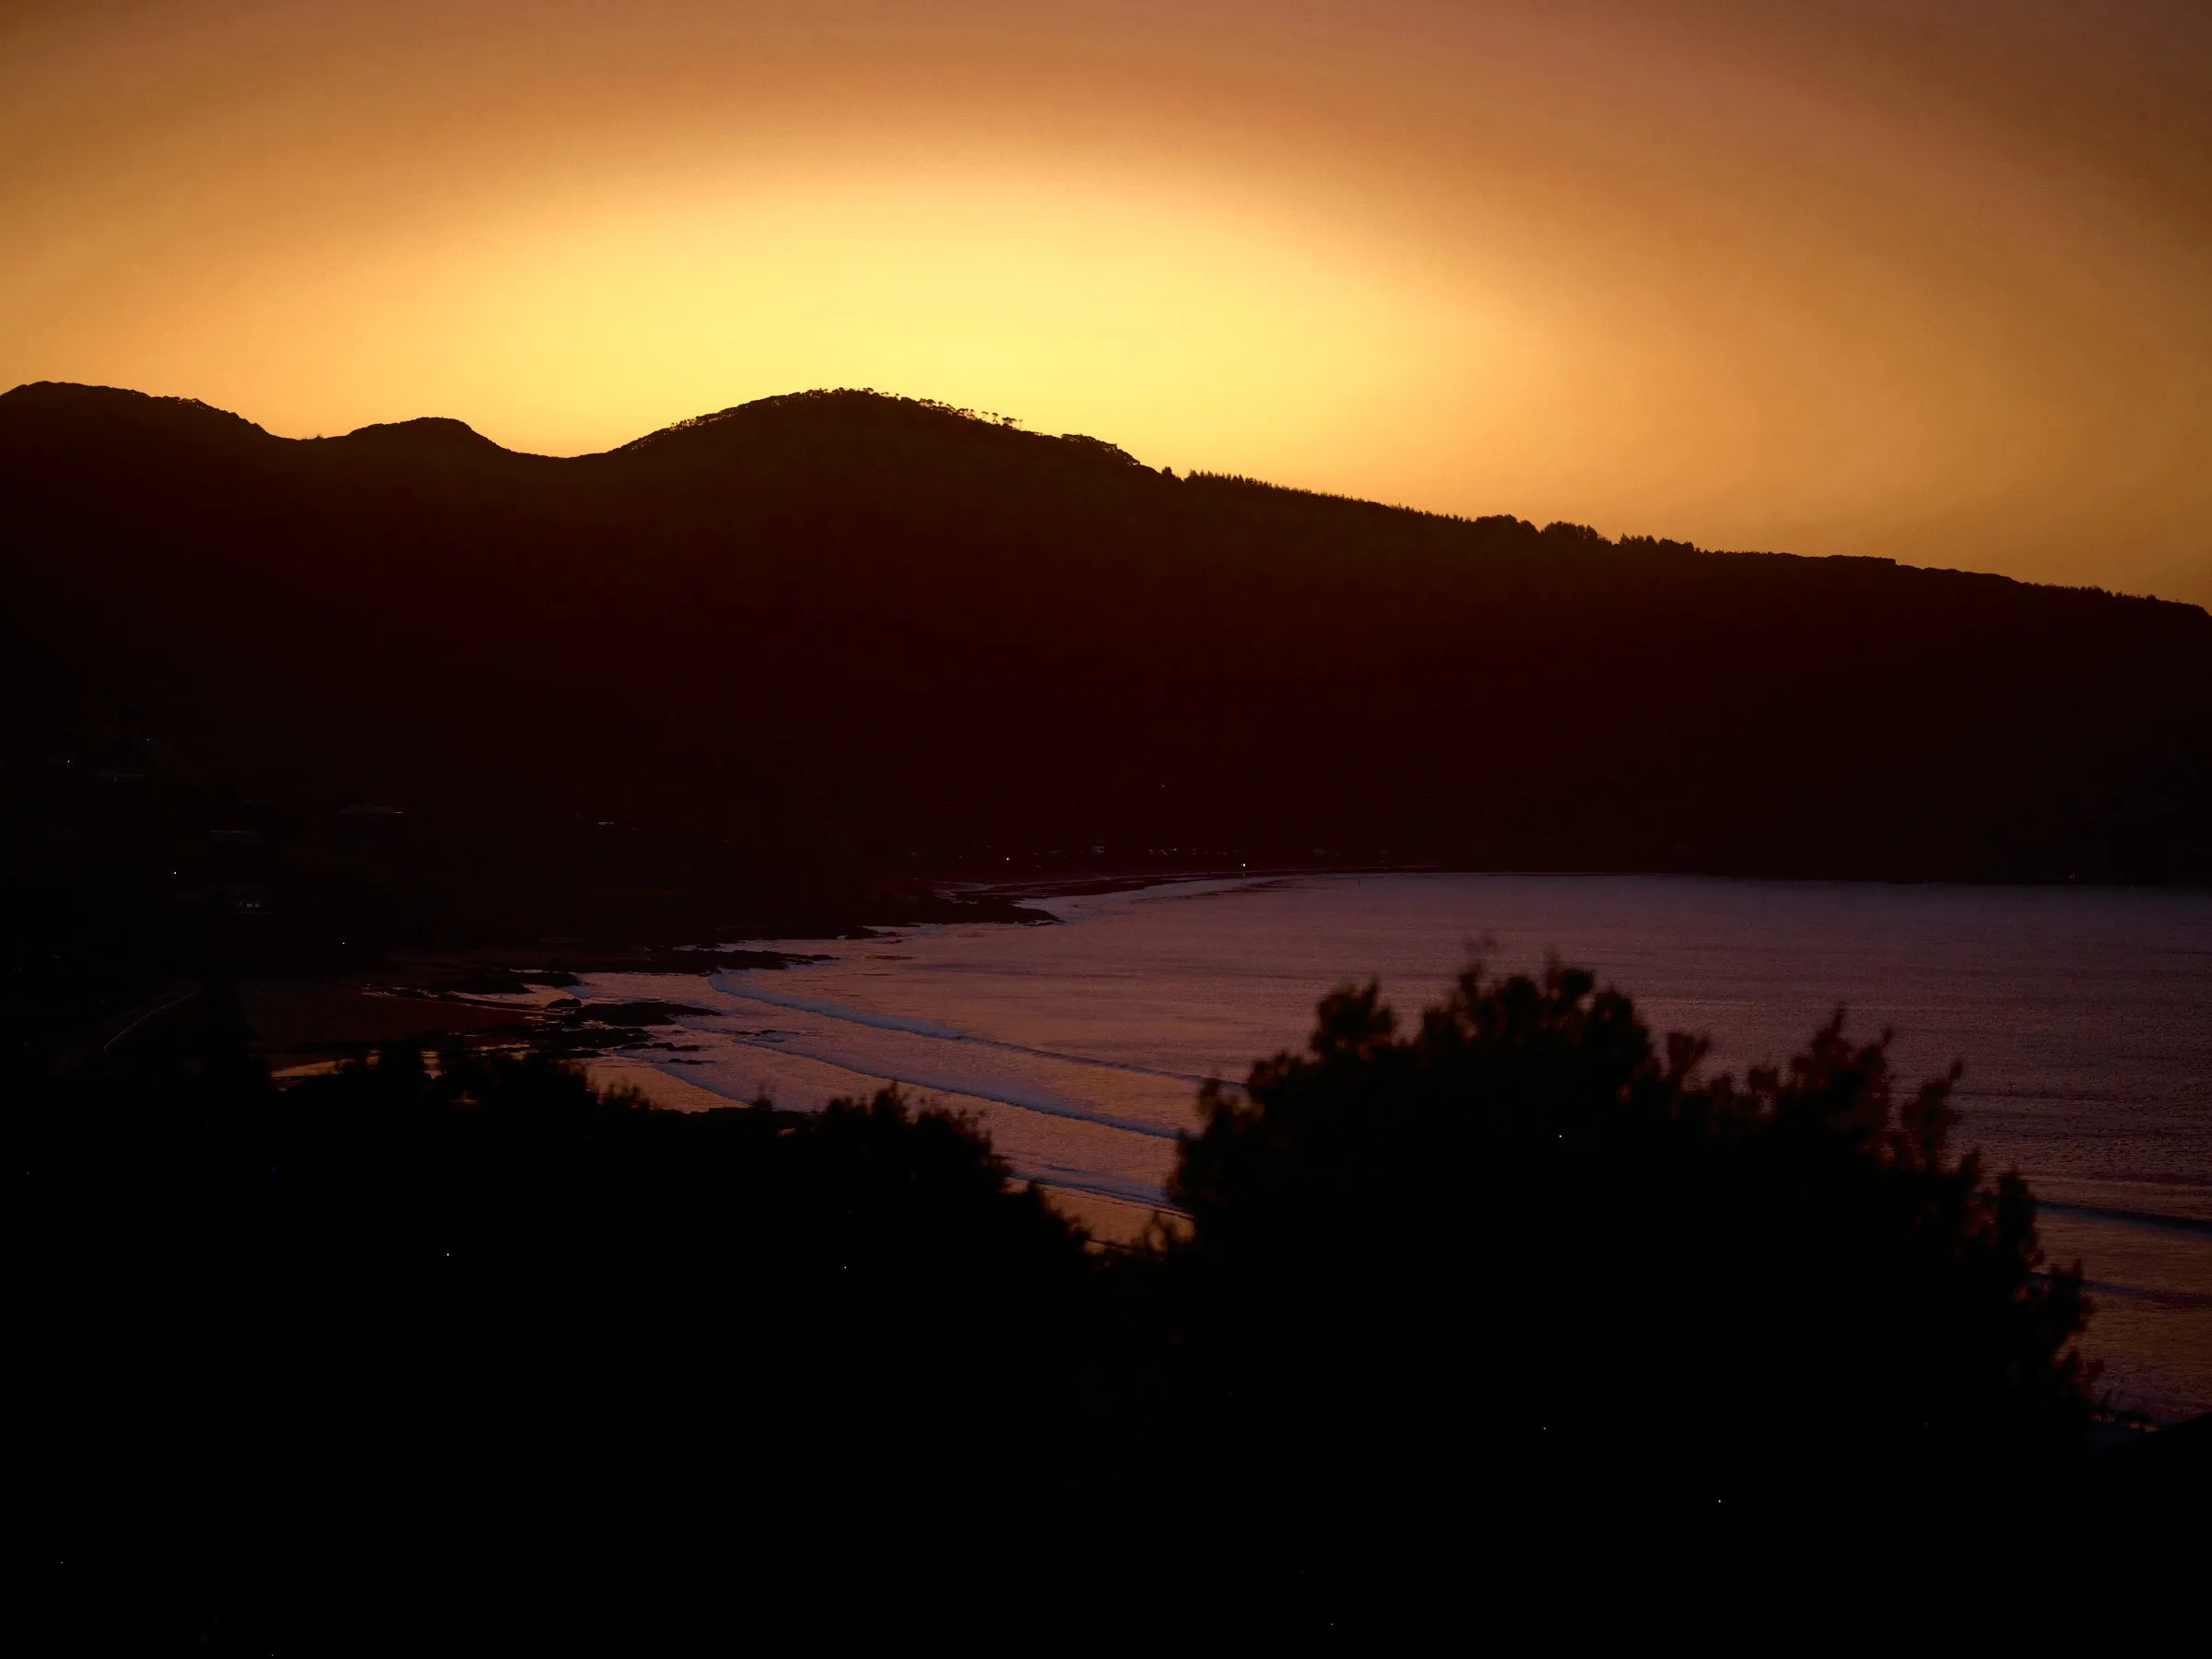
[477, 1358]
[1510, 1298]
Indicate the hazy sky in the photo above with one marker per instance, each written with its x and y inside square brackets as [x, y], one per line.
[1931, 280]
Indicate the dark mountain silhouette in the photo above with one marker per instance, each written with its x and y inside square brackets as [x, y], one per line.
[838, 629]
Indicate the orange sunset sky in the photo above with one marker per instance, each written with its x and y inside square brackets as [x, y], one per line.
[1928, 280]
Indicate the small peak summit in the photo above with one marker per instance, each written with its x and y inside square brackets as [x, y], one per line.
[428, 432]
[118, 410]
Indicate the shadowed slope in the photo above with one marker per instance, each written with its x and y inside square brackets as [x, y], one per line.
[930, 634]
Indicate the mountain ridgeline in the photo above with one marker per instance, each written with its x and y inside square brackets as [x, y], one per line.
[840, 622]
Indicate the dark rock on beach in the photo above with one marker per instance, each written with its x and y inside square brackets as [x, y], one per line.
[640, 1013]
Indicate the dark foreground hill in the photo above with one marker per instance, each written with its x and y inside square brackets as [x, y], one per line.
[843, 630]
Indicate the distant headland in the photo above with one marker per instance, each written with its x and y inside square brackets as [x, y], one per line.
[770, 663]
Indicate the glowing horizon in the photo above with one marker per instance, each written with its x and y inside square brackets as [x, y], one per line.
[1924, 284]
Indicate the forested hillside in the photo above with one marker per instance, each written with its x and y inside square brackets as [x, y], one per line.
[837, 629]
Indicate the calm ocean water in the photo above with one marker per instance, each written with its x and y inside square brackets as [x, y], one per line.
[2084, 1017]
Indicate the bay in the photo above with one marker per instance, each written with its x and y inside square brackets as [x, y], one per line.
[2083, 1018]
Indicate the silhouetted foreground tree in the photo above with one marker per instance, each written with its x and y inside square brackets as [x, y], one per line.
[481, 1360]
[474, 1358]
[1514, 1297]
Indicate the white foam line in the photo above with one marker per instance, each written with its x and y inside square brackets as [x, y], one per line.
[942, 1032]
[1068, 1178]
[1044, 1105]
[1145, 1197]
[829, 1010]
